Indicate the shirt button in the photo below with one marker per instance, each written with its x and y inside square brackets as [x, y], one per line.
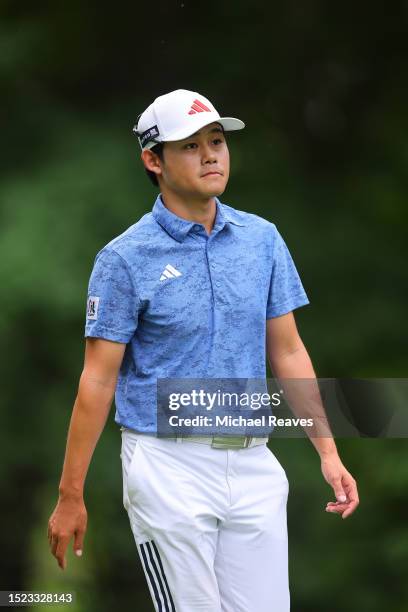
[217, 283]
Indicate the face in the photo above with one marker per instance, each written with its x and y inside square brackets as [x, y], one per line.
[196, 167]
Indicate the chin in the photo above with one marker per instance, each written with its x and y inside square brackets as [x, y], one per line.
[216, 190]
[219, 191]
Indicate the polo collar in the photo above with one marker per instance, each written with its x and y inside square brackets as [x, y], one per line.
[178, 227]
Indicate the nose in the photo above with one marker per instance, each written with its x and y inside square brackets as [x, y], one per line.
[208, 155]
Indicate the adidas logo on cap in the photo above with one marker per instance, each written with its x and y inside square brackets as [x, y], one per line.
[198, 107]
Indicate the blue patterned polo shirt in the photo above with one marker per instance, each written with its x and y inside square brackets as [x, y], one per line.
[188, 304]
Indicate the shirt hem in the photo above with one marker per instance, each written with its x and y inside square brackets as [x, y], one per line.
[108, 335]
[288, 306]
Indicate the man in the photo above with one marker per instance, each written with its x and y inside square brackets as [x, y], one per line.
[194, 289]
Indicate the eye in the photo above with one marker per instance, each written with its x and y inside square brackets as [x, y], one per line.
[217, 140]
[190, 144]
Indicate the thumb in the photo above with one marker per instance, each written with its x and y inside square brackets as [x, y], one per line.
[339, 491]
[78, 543]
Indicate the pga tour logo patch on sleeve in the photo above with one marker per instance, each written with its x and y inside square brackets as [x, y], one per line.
[92, 307]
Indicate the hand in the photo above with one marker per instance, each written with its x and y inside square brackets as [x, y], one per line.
[344, 486]
[68, 519]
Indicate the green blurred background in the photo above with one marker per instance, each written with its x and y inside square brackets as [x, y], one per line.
[323, 90]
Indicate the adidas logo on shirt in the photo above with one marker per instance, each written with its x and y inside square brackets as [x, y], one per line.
[169, 272]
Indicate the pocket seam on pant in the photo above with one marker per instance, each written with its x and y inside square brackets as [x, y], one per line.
[276, 461]
[130, 467]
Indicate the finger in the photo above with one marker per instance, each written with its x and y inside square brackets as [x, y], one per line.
[54, 544]
[60, 552]
[338, 507]
[337, 486]
[49, 530]
[341, 508]
[352, 507]
[338, 510]
[79, 542]
[338, 490]
[348, 481]
[350, 486]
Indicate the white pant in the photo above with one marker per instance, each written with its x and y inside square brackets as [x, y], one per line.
[209, 524]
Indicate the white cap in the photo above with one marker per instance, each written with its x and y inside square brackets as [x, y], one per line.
[177, 115]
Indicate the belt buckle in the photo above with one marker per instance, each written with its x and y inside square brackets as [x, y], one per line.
[236, 442]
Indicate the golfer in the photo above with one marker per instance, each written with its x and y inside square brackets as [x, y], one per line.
[196, 289]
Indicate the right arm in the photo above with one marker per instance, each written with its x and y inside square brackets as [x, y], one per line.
[96, 389]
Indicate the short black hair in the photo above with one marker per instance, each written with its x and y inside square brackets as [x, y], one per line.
[158, 149]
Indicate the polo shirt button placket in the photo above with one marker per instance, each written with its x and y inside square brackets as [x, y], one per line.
[211, 267]
[215, 281]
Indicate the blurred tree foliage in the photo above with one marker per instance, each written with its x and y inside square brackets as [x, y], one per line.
[322, 89]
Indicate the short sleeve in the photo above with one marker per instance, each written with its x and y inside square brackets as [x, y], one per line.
[286, 291]
[112, 304]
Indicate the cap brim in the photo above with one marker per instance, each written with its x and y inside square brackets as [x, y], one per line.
[228, 123]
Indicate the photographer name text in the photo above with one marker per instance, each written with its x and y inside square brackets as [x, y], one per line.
[238, 421]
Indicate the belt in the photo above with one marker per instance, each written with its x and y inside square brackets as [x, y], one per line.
[229, 442]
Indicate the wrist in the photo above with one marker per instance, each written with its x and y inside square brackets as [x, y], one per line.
[71, 493]
[326, 448]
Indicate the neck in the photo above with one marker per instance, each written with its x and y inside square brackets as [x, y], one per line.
[201, 210]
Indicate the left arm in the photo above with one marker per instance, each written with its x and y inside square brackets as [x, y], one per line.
[289, 358]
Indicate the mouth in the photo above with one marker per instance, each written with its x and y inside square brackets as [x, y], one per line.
[212, 173]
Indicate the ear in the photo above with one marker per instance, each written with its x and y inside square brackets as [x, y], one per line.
[151, 161]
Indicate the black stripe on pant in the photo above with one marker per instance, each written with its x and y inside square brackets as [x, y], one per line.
[155, 573]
